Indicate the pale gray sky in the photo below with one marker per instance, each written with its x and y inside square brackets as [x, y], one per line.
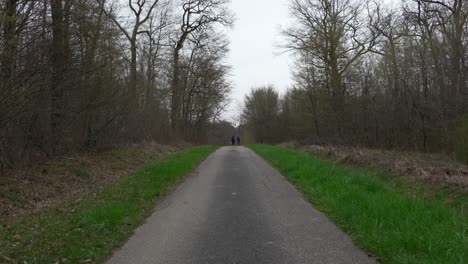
[253, 54]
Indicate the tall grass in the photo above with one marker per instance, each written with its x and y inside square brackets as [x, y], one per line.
[88, 230]
[394, 227]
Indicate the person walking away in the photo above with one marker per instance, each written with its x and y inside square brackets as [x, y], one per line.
[238, 140]
[233, 140]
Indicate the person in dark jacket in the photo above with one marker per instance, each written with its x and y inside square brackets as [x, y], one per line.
[238, 140]
[233, 140]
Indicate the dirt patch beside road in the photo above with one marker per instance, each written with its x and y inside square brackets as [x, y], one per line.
[44, 185]
[427, 168]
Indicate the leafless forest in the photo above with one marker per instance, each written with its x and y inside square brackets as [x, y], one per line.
[76, 75]
[81, 74]
[373, 74]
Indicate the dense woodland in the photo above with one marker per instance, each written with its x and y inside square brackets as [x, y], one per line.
[82, 74]
[76, 75]
[371, 74]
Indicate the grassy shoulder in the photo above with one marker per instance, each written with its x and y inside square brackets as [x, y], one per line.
[88, 230]
[391, 224]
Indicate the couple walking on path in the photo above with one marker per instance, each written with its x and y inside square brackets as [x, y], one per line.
[234, 140]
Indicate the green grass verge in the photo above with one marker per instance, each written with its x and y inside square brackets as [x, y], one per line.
[88, 230]
[393, 226]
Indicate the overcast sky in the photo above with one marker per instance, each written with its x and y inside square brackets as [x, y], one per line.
[253, 54]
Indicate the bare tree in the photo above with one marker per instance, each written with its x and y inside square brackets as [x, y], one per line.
[261, 113]
[69, 82]
[452, 19]
[197, 15]
[376, 75]
[332, 35]
[142, 11]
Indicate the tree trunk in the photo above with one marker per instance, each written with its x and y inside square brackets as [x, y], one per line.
[58, 68]
[9, 44]
[91, 90]
[132, 90]
[337, 99]
[175, 88]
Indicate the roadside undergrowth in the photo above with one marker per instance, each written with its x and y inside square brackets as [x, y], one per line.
[32, 189]
[87, 230]
[385, 220]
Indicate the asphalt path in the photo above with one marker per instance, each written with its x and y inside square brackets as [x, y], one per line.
[236, 208]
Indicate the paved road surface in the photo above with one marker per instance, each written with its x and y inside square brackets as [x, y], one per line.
[237, 209]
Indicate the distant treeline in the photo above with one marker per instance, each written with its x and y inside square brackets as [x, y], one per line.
[370, 74]
[82, 74]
